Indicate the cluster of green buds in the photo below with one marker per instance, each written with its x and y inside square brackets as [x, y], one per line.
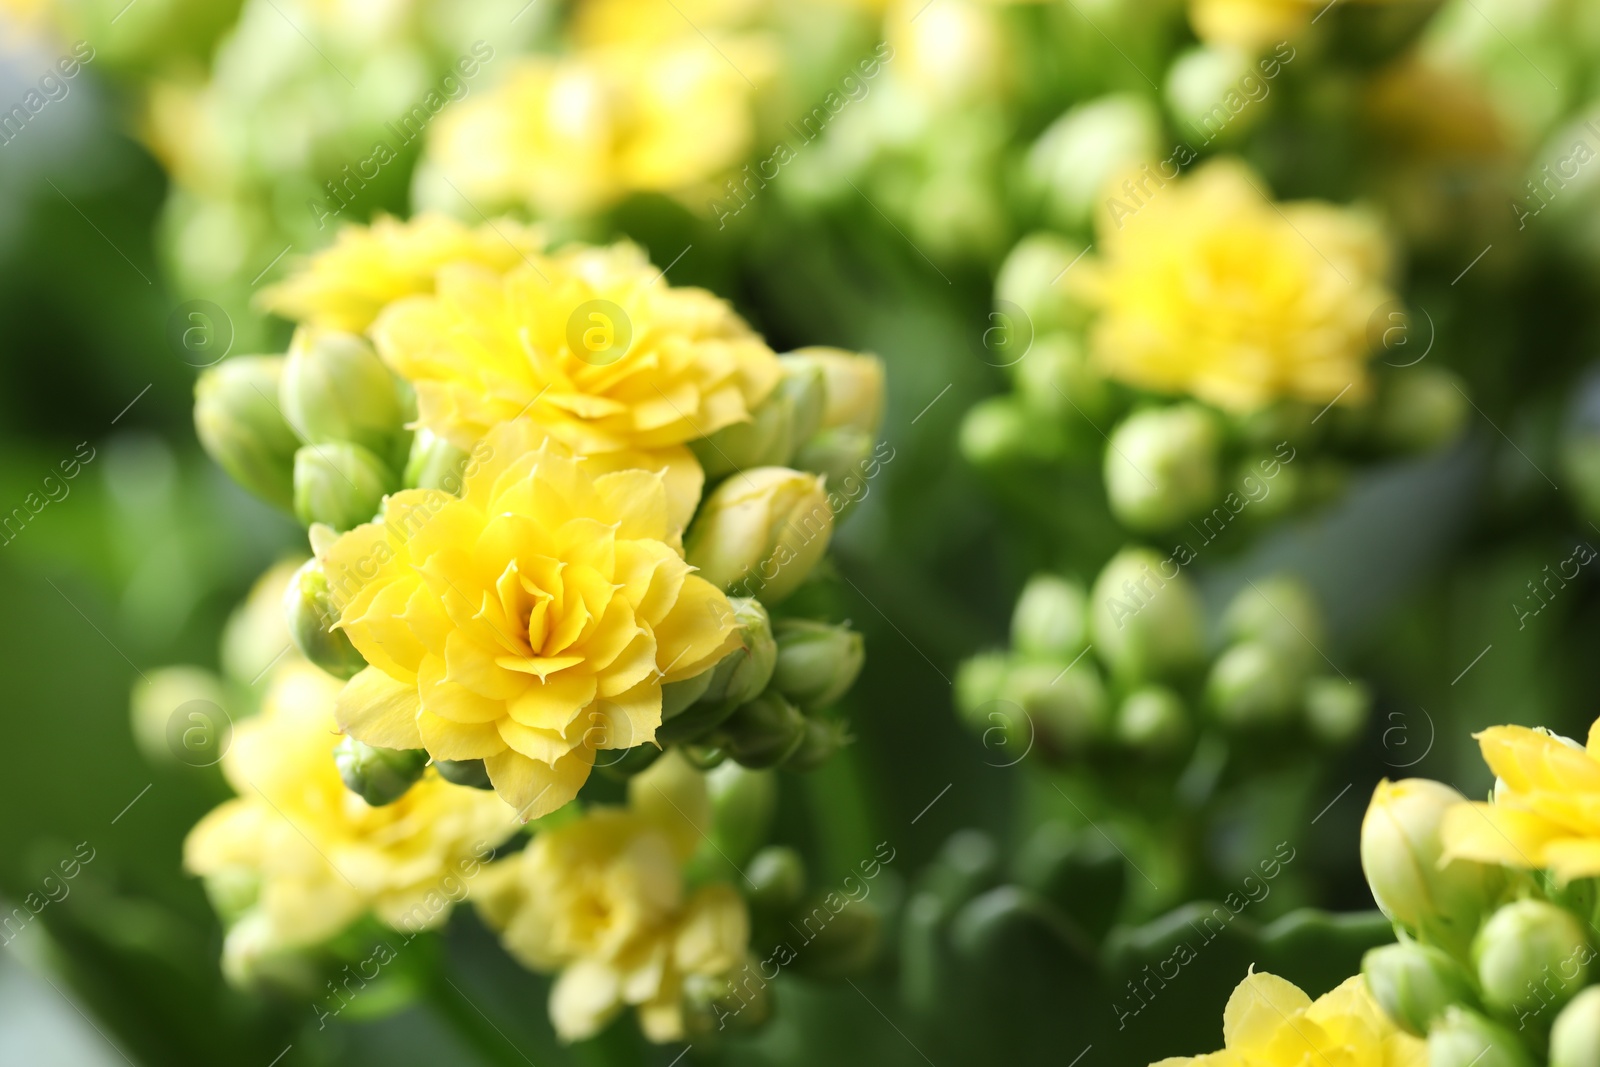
[1493, 967]
[1148, 689]
[320, 431]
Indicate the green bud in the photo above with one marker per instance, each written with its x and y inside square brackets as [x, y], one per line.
[1197, 83]
[1466, 1039]
[237, 419]
[1530, 955]
[980, 680]
[852, 389]
[233, 891]
[157, 698]
[843, 943]
[817, 663]
[738, 1002]
[777, 879]
[340, 484]
[468, 772]
[1252, 685]
[764, 732]
[1153, 720]
[1280, 611]
[1000, 430]
[1034, 278]
[677, 697]
[1415, 983]
[1161, 466]
[1068, 707]
[436, 464]
[741, 675]
[742, 803]
[1420, 409]
[843, 456]
[629, 762]
[308, 605]
[1271, 497]
[804, 388]
[1057, 379]
[1575, 1038]
[768, 438]
[254, 959]
[1336, 709]
[1074, 160]
[1051, 619]
[761, 531]
[1145, 625]
[335, 388]
[378, 775]
[824, 736]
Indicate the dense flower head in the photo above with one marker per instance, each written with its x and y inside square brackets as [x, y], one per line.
[344, 286]
[1209, 288]
[315, 856]
[1546, 809]
[591, 344]
[527, 623]
[570, 135]
[602, 900]
[1270, 1022]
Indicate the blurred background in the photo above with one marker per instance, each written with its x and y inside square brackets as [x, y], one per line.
[192, 154]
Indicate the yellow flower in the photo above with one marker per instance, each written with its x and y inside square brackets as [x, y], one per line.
[1206, 287]
[309, 855]
[590, 344]
[602, 900]
[1546, 810]
[603, 22]
[344, 286]
[574, 134]
[1252, 24]
[1270, 1023]
[528, 623]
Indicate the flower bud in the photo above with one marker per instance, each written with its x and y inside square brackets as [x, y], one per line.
[824, 736]
[335, 388]
[1197, 82]
[254, 958]
[846, 941]
[237, 419]
[979, 682]
[999, 431]
[378, 775]
[1145, 624]
[843, 456]
[1400, 853]
[1466, 1039]
[817, 663]
[761, 531]
[1161, 466]
[1419, 409]
[1058, 379]
[1415, 983]
[1575, 1038]
[1336, 709]
[1051, 619]
[1075, 160]
[852, 388]
[738, 677]
[738, 1002]
[1253, 685]
[1280, 611]
[777, 878]
[339, 484]
[678, 697]
[1068, 707]
[308, 605]
[157, 697]
[436, 464]
[1153, 720]
[1034, 278]
[789, 415]
[467, 772]
[762, 733]
[1531, 954]
[742, 803]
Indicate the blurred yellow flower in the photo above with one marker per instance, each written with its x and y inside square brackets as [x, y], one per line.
[1270, 1023]
[528, 623]
[1546, 809]
[601, 899]
[603, 22]
[574, 134]
[592, 345]
[346, 285]
[311, 856]
[1204, 286]
[1254, 24]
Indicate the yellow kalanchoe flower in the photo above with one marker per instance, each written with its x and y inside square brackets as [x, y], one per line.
[344, 286]
[1270, 1022]
[589, 343]
[1546, 809]
[1253, 24]
[313, 855]
[528, 623]
[1206, 287]
[601, 899]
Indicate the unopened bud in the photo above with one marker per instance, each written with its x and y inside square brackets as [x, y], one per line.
[436, 464]
[237, 419]
[824, 736]
[980, 680]
[678, 697]
[340, 484]
[309, 608]
[852, 387]
[1074, 161]
[1531, 954]
[761, 531]
[157, 698]
[846, 942]
[742, 803]
[1034, 279]
[738, 677]
[378, 775]
[1337, 709]
[1145, 623]
[738, 1002]
[817, 663]
[1464, 1038]
[1415, 983]
[1575, 1038]
[843, 456]
[1419, 409]
[1161, 466]
[1051, 619]
[1253, 685]
[1153, 720]
[764, 732]
[1001, 431]
[468, 772]
[1067, 705]
[1058, 379]
[335, 388]
[1280, 611]
[768, 438]
[777, 877]
[1200, 78]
